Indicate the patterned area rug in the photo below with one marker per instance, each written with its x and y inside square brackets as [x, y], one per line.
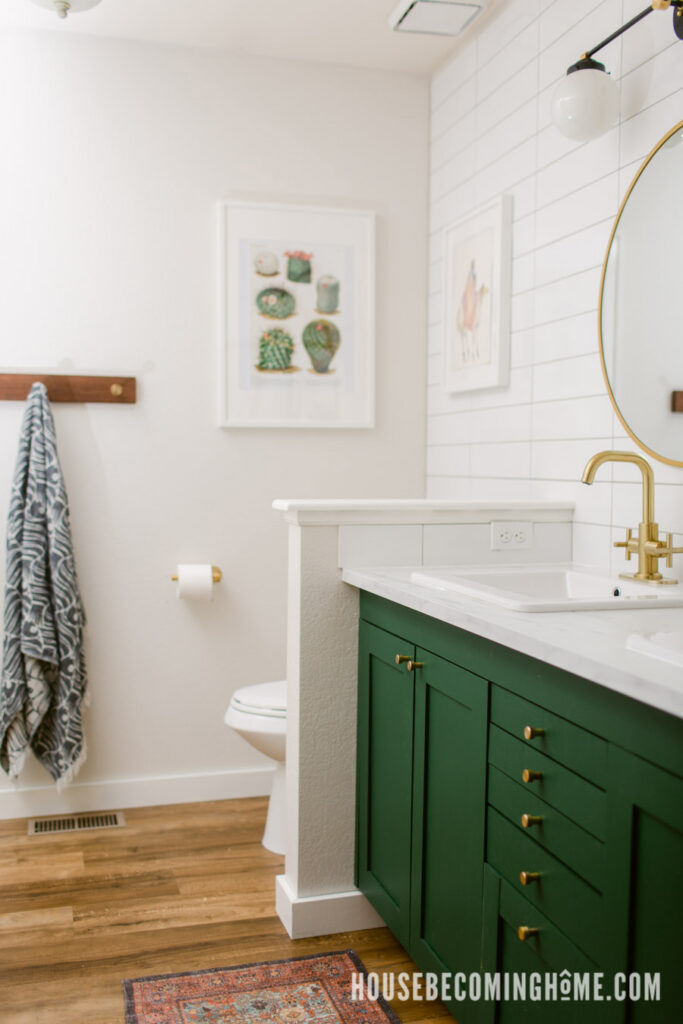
[315, 989]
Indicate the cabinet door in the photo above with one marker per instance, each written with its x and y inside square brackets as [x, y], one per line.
[644, 890]
[449, 804]
[384, 775]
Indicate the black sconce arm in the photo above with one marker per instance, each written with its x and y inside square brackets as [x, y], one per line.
[656, 5]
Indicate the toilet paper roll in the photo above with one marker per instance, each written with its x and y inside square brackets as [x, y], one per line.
[195, 583]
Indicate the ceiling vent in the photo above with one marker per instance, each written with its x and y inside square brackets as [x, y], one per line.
[433, 17]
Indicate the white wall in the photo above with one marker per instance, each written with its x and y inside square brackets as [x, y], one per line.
[491, 133]
[113, 156]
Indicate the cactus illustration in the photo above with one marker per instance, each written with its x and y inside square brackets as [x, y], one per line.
[327, 290]
[275, 350]
[321, 340]
[299, 266]
[276, 303]
[266, 263]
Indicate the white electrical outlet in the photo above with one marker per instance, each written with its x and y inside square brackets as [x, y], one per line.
[511, 536]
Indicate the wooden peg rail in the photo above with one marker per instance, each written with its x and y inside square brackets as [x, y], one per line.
[677, 401]
[69, 388]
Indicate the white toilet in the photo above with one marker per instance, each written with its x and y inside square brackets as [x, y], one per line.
[259, 714]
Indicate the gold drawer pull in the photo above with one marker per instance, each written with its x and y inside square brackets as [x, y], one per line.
[412, 665]
[527, 877]
[524, 933]
[530, 733]
[400, 658]
[531, 819]
[529, 776]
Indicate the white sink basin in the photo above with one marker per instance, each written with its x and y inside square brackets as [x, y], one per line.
[665, 646]
[548, 588]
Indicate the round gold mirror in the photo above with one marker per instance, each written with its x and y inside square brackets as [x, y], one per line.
[641, 335]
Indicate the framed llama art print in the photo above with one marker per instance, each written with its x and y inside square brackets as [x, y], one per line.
[476, 320]
[298, 319]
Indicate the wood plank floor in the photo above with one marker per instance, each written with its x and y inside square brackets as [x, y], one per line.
[180, 888]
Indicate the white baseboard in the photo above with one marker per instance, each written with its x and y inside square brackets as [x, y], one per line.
[305, 916]
[118, 794]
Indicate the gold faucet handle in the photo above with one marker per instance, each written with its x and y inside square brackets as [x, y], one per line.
[625, 544]
[668, 551]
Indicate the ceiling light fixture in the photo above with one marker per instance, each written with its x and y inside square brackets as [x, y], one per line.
[586, 102]
[433, 17]
[64, 7]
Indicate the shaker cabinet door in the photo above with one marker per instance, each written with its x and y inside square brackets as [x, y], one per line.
[384, 775]
[644, 886]
[449, 803]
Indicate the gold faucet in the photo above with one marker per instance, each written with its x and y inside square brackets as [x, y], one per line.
[646, 544]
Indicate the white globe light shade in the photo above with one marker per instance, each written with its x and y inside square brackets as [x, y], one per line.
[585, 104]
[64, 7]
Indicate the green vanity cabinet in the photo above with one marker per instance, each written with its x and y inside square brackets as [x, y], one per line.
[496, 794]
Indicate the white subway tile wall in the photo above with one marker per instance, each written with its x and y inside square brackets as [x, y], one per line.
[471, 545]
[380, 545]
[447, 543]
[492, 133]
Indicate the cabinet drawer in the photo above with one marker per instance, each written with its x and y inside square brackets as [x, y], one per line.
[569, 902]
[569, 744]
[576, 798]
[571, 844]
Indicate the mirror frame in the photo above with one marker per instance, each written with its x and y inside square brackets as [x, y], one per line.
[612, 398]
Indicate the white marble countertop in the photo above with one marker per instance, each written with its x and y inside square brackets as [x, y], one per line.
[591, 644]
[338, 511]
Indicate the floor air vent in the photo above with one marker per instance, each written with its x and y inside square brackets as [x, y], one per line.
[75, 823]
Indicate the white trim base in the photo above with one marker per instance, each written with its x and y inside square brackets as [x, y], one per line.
[332, 912]
[118, 794]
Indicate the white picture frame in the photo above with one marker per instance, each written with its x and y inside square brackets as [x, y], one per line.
[476, 293]
[297, 298]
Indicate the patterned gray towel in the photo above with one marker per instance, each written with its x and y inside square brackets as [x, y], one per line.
[43, 671]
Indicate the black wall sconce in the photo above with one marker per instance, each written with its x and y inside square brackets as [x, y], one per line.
[586, 102]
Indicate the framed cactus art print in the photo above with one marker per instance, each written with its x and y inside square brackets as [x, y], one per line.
[297, 315]
[476, 298]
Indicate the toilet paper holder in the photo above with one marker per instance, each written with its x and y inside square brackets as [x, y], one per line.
[216, 574]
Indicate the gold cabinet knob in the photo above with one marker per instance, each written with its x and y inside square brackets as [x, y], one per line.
[412, 665]
[524, 932]
[400, 658]
[527, 877]
[529, 776]
[116, 390]
[531, 819]
[530, 733]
